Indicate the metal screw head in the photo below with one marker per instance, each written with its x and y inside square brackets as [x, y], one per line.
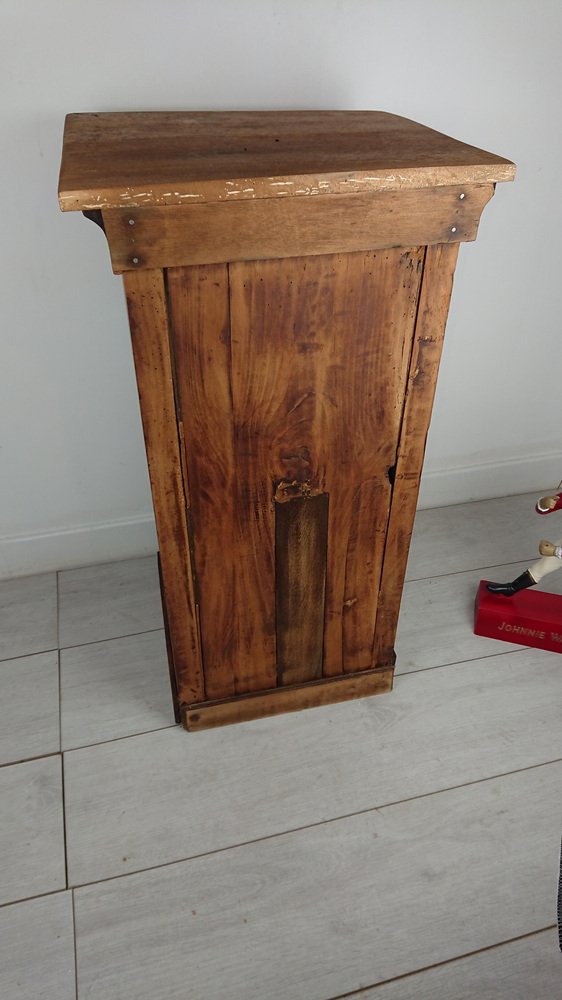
[135, 260]
[132, 221]
[453, 229]
[461, 196]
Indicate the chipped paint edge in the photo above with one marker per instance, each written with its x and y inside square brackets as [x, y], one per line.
[250, 188]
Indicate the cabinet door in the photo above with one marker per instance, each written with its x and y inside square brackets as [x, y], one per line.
[290, 380]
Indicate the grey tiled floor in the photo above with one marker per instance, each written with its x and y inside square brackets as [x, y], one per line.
[342, 851]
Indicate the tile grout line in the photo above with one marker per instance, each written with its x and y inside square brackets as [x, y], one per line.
[462, 572]
[29, 760]
[438, 965]
[100, 743]
[118, 739]
[63, 793]
[311, 826]
[112, 638]
[57, 589]
[465, 503]
[29, 899]
[75, 944]
[473, 659]
[80, 645]
[27, 656]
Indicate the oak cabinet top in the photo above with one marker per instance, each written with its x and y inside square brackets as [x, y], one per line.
[141, 159]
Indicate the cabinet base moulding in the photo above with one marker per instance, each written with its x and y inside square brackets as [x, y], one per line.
[258, 705]
[529, 618]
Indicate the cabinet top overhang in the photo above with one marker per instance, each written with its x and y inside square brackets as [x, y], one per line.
[138, 159]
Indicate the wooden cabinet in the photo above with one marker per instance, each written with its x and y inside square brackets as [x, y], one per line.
[288, 277]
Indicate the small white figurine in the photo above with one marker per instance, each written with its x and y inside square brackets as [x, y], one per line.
[551, 553]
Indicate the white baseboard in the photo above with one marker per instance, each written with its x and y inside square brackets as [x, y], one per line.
[444, 487]
[80, 545]
[127, 538]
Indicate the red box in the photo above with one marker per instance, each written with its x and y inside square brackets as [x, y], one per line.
[529, 618]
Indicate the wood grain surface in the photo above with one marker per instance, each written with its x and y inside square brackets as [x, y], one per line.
[291, 698]
[301, 540]
[234, 559]
[131, 159]
[317, 393]
[148, 320]
[292, 227]
[435, 296]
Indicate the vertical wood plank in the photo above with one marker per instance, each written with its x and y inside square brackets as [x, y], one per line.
[169, 647]
[365, 549]
[200, 332]
[301, 536]
[148, 319]
[435, 297]
[373, 312]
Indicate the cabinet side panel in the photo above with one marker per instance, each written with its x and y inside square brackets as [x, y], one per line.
[146, 303]
[437, 284]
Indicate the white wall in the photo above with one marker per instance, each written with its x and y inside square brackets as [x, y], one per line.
[73, 481]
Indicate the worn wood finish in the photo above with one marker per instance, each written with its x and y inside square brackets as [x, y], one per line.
[293, 698]
[292, 227]
[364, 392]
[116, 160]
[301, 539]
[320, 410]
[148, 319]
[199, 314]
[428, 341]
[368, 524]
[234, 563]
[268, 418]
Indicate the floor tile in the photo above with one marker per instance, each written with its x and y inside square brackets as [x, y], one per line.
[115, 688]
[29, 707]
[31, 829]
[156, 798]
[28, 615]
[527, 969]
[37, 949]
[109, 601]
[469, 535]
[436, 623]
[333, 908]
